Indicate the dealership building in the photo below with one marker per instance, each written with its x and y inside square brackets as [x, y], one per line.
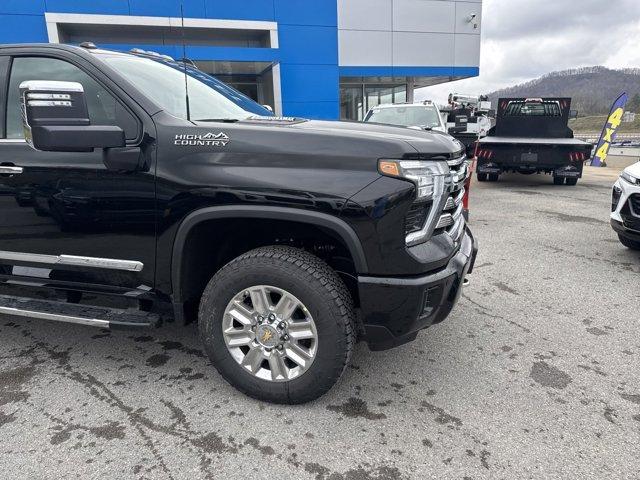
[311, 58]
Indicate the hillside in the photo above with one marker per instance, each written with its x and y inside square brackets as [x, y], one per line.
[594, 124]
[592, 89]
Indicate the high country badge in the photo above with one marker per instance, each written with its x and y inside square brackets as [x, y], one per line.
[205, 140]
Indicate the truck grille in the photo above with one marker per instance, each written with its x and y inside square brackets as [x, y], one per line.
[634, 201]
[449, 218]
[630, 213]
[452, 210]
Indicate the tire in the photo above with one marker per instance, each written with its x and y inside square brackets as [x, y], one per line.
[493, 177]
[482, 177]
[558, 180]
[627, 242]
[323, 296]
[571, 181]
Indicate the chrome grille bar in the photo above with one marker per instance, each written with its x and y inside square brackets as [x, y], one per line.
[454, 201]
[456, 161]
[445, 220]
[456, 231]
[449, 219]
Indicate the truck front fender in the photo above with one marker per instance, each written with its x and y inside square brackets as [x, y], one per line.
[332, 223]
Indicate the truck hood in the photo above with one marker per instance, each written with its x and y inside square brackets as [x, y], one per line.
[294, 135]
[425, 142]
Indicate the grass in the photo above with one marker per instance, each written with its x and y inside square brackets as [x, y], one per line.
[593, 124]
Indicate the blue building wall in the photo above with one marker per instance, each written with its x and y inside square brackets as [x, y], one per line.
[307, 29]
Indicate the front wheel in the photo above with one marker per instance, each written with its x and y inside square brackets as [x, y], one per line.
[278, 324]
[482, 177]
[627, 242]
[558, 180]
[493, 177]
[571, 181]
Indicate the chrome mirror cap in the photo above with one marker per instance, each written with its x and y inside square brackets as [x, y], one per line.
[44, 93]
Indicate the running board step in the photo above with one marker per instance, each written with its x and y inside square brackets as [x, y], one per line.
[101, 317]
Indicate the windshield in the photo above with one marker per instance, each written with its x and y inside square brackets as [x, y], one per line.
[164, 83]
[409, 116]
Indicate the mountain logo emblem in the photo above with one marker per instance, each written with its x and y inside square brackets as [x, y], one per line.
[215, 136]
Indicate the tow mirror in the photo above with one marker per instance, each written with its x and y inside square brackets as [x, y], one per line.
[55, 118]
[573, 114]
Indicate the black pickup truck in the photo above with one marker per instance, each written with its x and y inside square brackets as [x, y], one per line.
[531, 135]
[130, 183]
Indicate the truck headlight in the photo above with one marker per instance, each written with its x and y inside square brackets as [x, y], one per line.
[630, 178]
[429, 177]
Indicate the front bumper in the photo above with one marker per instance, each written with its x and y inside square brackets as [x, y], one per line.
[393, 310]
[625, 219]
[620, 229]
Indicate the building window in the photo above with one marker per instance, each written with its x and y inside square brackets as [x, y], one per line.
[351, 102]
[254, 79]
[357, 99]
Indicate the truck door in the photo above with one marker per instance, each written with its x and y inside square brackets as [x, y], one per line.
[66, 217]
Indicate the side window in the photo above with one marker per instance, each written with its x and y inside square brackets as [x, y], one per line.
[104, 109]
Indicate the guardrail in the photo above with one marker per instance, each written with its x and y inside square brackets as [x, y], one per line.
[596, 135]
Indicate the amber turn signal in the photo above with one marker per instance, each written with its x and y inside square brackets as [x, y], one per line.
[389, 168]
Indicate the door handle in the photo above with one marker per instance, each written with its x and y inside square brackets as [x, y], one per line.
[10, 170]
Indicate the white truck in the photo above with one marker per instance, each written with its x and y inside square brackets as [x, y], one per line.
[420, 116]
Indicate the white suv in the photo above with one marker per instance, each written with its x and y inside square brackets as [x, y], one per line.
[424, 115]
[625, 207]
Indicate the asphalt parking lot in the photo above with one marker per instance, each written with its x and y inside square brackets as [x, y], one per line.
[535, 375]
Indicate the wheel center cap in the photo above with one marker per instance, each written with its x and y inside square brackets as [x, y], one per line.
[267, 336]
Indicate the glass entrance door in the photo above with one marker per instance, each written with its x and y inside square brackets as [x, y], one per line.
[351, 102]
[357, 99]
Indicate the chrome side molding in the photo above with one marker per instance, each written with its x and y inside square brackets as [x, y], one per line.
[92, 322]
[110, 263]
[78, 261]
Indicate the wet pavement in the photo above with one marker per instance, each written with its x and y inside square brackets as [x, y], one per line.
[535, 375]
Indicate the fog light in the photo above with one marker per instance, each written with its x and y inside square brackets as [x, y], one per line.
[615, 197]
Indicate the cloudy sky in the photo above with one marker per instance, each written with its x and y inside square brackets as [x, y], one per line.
[523, 39]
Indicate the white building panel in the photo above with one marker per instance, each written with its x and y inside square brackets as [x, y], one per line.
[464, 10]
[365, 48]
[424, 16]
[423, 49]
[408, 33]
[364, 14]
[467, 50]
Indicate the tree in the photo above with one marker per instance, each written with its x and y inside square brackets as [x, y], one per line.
[633, 105]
